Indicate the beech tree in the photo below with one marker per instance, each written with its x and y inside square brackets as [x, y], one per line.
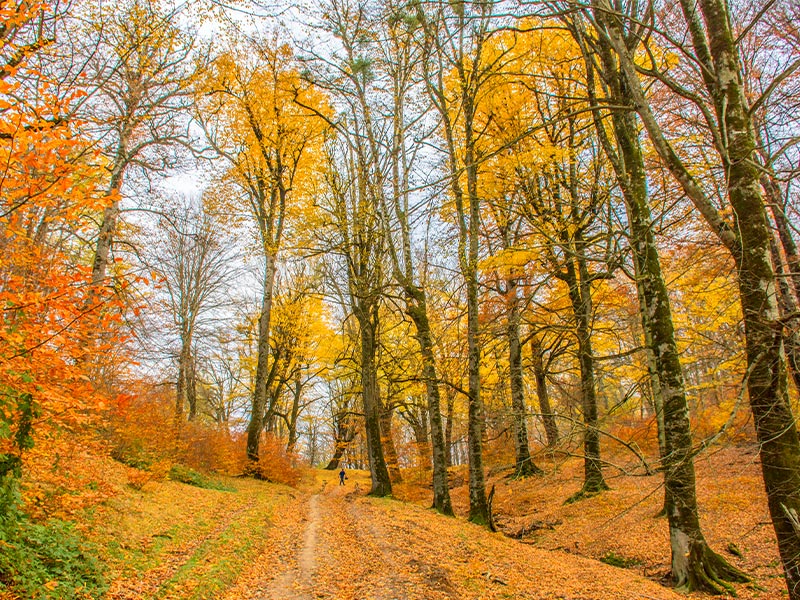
[454, 37]
[719, 97]
[265, 138]
[357, 240]
[694, 564]
[194, 267]
[139, 67]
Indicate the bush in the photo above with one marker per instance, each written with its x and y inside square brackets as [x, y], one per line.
[43, 560]
[275, 464]
[141, 431]
[192, 477]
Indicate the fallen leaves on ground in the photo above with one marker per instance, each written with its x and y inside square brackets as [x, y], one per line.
[324, 540]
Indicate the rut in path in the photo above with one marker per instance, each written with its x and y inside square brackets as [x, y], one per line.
[345, 546]
[297, 583]
[307, 555]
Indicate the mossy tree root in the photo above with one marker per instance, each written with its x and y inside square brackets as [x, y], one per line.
[707, 571]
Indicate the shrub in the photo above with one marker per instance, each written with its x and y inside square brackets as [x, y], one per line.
[43, 560]
[615, 560]
[275, 464]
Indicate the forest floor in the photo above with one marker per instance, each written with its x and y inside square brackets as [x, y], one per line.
[322, 540]
[623, 526]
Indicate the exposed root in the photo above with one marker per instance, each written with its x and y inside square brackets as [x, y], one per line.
[526, 469]
[708, 572]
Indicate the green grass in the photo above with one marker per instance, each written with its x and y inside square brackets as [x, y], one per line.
[615, 560]
[192, 477]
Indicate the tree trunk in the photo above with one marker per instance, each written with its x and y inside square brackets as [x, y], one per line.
[767, 384]
[344, 434]
[182, 383]
[776, 204]
[191, 386]
[748, 242]
[789, 310]
[108, 227]
[580, 298]
[294, 413]
[422, 441]
[381, 482]
[694, 565]
[387, 439]
[540, 374]
[259, 400]
[448, 431]
[105, 240]
[338, 452]
[417, 310]
[524, 466]
[478, 507]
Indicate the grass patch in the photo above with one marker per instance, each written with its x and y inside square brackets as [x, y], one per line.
[191, 477]
[615, 560]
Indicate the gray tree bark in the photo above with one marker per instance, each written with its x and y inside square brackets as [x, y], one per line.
[748, 241]
[259, 400]
[540, 374]
[524, 465]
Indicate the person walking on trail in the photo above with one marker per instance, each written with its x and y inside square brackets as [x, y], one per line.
[341, 476]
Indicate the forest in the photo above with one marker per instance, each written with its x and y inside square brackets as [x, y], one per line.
[525, 271]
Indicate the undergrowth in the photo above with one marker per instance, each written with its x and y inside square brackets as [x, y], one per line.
[615, 560]
[44, 560]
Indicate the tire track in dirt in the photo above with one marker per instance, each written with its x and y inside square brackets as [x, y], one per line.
[362, 560]
[273, 574]
[297, 581]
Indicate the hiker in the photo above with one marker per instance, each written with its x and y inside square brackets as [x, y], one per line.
[341, 476]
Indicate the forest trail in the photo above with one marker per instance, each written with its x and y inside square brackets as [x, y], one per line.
[268, 541]
[297, 582]
[355, 547]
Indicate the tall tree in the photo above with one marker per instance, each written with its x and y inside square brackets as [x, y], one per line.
[456, 70]
[397, 60]
[358, 242]
[140, 65]
[558, 170]
[694, 564]
[251, 108]
[194, 267]
[719, 97]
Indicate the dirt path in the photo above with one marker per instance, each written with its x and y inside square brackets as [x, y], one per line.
[308, 554]
[352, 547]
[297, 582]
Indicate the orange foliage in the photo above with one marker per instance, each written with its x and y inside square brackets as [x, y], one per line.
[275, 463]
[143, 434]
[48, 186]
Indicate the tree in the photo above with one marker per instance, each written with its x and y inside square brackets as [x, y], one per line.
[397, 144]
[357, 241]
[48, 183]
[454, 37]
[694, 564]
[194, 267]
[560, 175]
[713, 53]
[251, 108]
[139, 64]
